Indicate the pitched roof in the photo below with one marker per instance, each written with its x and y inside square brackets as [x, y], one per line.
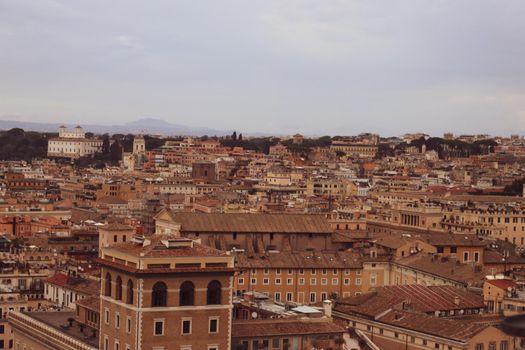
[252, 223]
[448, 268]
[433, 298]
[115, 226]
[416, 297]
[502, 283]
[446, 328]
[80, 285]
[273, 327]
[92, 303]
[348, 260]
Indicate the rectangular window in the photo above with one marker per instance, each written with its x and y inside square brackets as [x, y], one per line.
[373, 279]
[358, 281]
[277, 281]
[106, 315]
[266, 281]
[301, 281]
[312, 297]
[254, 281]
[289, 296]
[335, 281]
[158, 327]
[347, 281]
[117, 320]
[479, 346]
[186, 326]
[324, 281]
[277, 296]
[240, 281]
[289, 281]
[128, 324]
[313, 281]
[213, 325]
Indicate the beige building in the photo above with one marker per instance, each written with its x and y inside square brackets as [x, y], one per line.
[114, 233]
[72, 144]
[307, 277]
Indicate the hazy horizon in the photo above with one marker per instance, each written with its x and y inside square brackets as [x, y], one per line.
[273, 67]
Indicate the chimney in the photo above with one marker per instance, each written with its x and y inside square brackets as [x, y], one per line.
[456, 300]
[327, 306]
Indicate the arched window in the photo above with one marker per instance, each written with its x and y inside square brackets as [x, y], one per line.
[107, 286]
[187, 294]
[213, 294]
[118, 290]
[129, 292]
[159, 295]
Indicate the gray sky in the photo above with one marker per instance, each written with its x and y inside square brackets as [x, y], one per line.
[316, 67]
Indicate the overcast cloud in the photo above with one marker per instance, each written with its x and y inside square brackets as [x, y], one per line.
[316, 67]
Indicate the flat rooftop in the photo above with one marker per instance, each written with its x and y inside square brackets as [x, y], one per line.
[58, 319]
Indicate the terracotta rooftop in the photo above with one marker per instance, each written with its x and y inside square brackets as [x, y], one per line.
[274, 327]
[494, 257]
[156, 248]
[348, 260]
[433, 298]
[394, 242]
[449, 268]
[252, 223]
[112, 200]
[502, 283]
[92, 303]
[80, 285]
[115, 226]
[446, 328]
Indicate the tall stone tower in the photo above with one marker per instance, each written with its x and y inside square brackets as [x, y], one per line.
[165, 293]
[139, 145]
[139, 150]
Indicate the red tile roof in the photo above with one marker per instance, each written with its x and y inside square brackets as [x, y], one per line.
[252, 223]
[273, 327]
[503, 283]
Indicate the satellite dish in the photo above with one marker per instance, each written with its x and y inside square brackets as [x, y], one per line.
[254, 315]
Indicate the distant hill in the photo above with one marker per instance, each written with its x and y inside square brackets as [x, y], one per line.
[141, 126]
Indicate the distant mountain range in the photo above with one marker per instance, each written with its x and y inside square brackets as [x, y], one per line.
[141, 126]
